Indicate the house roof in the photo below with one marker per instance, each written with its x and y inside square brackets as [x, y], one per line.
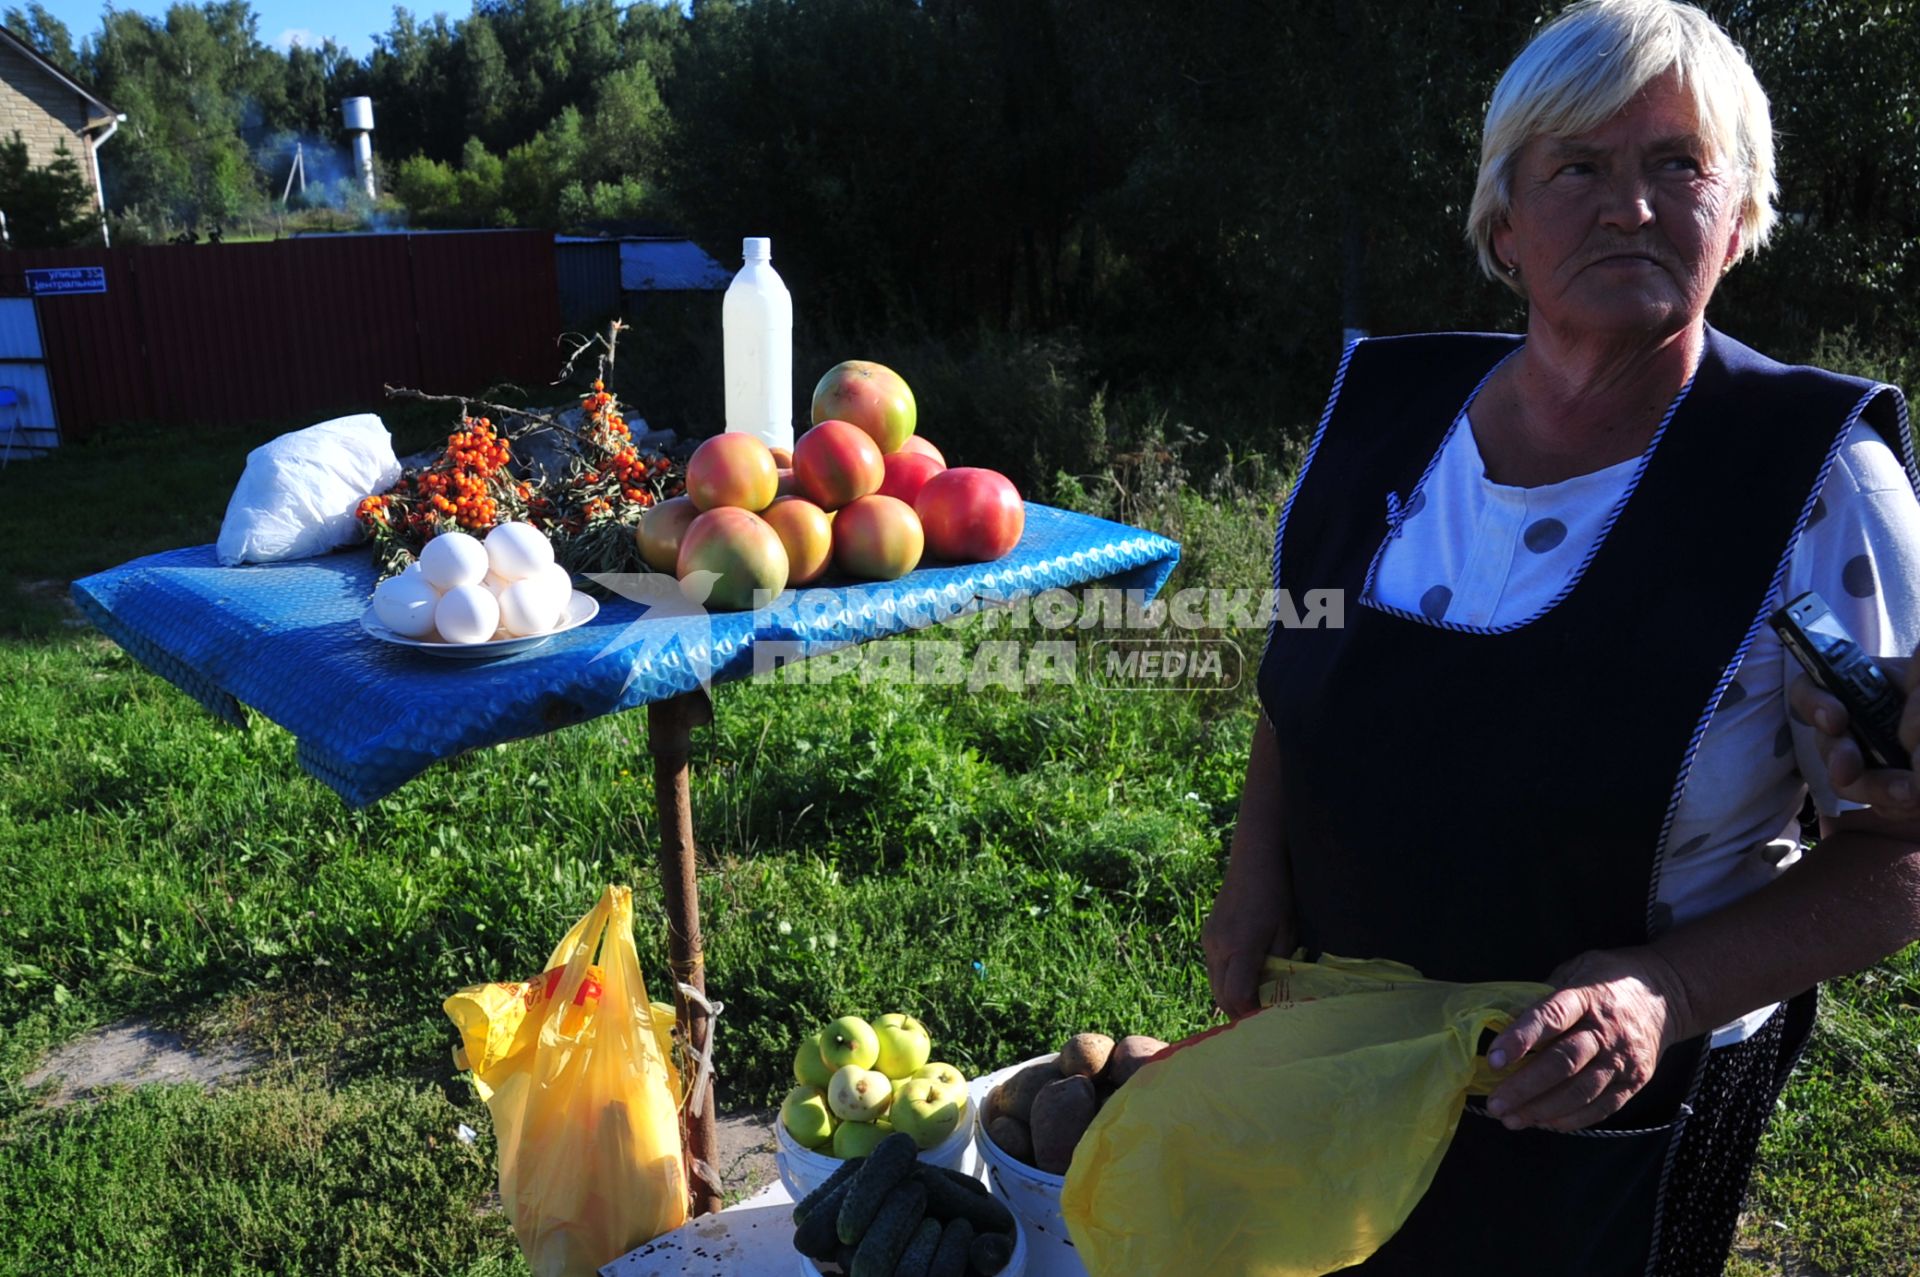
[658, 263]
[104, 114]
[669, 265]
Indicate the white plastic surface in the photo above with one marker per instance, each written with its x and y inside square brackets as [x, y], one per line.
[756, 320]
[1016, 1263]
[755, 1239]
[297, 496]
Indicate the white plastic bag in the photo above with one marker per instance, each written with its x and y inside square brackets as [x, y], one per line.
[297, 496]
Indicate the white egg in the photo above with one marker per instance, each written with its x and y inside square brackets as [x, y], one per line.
[559, 583]
[453, 559]
[496, 584]
[529, 607]
[405, 602]
[467, 614]
[518, 550]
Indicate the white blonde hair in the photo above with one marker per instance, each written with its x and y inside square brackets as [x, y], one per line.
[1590, 62]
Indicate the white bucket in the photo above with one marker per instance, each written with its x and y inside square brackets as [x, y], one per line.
[802, 1169]
[1031, 1193]
[1016, 1266]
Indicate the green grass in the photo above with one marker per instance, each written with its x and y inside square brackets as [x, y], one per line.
[1011, 867]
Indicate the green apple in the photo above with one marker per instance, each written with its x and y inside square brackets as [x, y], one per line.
[904, 1045]
[945, 1074]
[858, 1095]
[857, 1139]
[809, 1067]
[804, 1113]
[927, 1111]
[849, 1040]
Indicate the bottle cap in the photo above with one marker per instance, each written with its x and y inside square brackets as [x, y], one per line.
[756, 249]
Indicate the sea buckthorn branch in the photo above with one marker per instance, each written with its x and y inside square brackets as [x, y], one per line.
[589, 512]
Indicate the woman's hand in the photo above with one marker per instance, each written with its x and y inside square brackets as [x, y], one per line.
[1249, 921]
[1590, 1046]
[1890, 792]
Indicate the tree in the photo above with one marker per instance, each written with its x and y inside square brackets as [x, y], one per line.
[428, 189]
[193, 90]
[630, 128]
[49, 207]
[47, 35]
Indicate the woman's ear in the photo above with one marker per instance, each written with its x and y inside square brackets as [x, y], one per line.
[1504, 255]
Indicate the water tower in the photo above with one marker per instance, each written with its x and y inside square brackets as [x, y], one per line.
[358, 113]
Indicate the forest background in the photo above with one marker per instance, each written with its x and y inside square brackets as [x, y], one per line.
[1136, 218]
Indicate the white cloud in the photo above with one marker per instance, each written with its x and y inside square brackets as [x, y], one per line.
[296, 35]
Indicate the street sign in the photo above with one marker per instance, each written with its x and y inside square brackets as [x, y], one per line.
[67, 279]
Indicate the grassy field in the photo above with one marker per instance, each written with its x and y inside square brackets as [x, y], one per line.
[1012, 867]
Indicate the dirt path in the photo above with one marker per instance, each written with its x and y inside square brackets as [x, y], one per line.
[133, 1053]
[746, 1152]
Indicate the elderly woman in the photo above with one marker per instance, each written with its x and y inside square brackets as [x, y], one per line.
[1555, 738]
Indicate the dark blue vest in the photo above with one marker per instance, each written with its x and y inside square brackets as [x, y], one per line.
[1484, 804]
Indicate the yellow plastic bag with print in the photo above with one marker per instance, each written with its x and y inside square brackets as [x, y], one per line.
[577, 1069]
[489, 1018]
[1294, 1141]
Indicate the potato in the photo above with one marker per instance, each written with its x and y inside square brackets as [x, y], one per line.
[1132, 1051]
[1014, 1097]
[1085, 1054]
[1061, 1114]
[1011, 1136]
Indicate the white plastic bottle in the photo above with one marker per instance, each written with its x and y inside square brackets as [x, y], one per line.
[757, 321]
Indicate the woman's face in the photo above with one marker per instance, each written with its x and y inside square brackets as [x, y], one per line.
[1625, 230]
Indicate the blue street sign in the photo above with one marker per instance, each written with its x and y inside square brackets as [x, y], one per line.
[67, 279]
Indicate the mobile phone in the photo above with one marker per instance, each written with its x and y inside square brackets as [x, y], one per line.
[1847, 672]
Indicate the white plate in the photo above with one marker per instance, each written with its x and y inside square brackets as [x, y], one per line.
[581, 608]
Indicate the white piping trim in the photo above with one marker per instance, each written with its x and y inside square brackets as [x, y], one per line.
[1286, 507]
[1613, 516]
[1766, 606]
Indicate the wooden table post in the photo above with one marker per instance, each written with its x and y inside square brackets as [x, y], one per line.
[670, 725]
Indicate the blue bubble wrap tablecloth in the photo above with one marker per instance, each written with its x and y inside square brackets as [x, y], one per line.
[285, 639]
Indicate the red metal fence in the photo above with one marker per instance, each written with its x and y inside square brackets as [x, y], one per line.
[230, 333]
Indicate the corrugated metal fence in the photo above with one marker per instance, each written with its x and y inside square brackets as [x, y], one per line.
[229, 333]
[589, 273]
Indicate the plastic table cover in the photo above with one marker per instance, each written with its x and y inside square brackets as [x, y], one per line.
[285, 639]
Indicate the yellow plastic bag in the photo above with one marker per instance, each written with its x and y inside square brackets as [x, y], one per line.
[1294, 1141]
[577, 1069]
[489, 1018]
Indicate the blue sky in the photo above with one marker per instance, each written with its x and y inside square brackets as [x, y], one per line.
[352, 23]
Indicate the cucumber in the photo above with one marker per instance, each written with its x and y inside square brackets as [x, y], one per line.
[887, 1237]
[815, 1236]
[830, 1188]
[967, 1182]
[990, 1253]
[888, 1164]
[947, 1200]
[918, 1257]
[950, 1260]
